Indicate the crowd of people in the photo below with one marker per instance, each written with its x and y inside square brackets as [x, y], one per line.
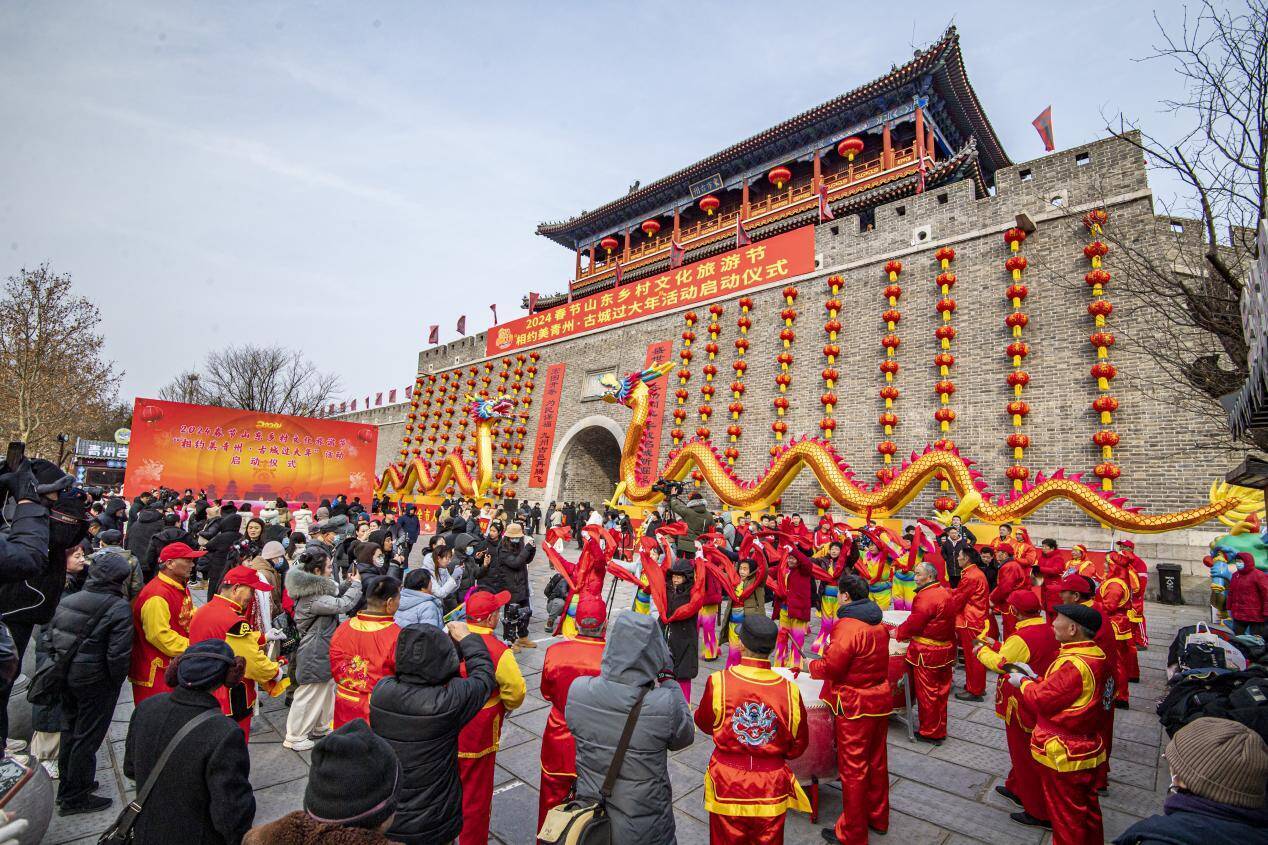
[396, 656]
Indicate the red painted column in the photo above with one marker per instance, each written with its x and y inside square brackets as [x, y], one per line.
[920, 132]
[744, 201]
[887, 149]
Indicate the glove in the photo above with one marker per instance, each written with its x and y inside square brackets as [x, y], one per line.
[1015, 678]
[21, 483]
[275, 635]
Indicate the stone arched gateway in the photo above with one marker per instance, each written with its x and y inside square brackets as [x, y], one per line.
[586, 462]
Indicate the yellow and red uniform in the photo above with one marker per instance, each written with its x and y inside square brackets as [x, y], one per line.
[972, 619]
[1089, 568]
[758, 723]
[160, 631]
[1011, 577]
[1114, 597]
[855, 672]
[222, 619]
[931, 655]
[1033, 643]
[1069, 704]
[478, 740]
[362, 651]
[564, 662]
[1138, 572]
[1052, 567]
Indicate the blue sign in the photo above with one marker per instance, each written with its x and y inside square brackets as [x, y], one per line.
[706, 186]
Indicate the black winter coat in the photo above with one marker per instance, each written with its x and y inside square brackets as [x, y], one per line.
[683, 637]
[160, 541]
[148, 523]
[420, 711]
[204, 795]
[508, 569]
[216, 560]
[106, 647]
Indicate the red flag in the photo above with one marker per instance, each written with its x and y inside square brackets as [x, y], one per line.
[825, 210]
[433, 336]
[920, 177]
[354, 404]
[619, 272]
[367, 403]
[741, 236]
[378, 398]
[494, 309]
[391, 397]
[675, 253]
[343, 407]
[462, 325]
[409, 391]
[1043, 125]
[532, 301]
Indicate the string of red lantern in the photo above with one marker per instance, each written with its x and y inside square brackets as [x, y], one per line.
[888, 420]
[783, 377]
[944, 360]
[1018, 378]
[1101, 339]
[831, 350]
[739, 367]
[684, 376]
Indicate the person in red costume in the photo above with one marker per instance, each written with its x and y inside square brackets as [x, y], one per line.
[795, 582]
[1078, 589]
[1081, 563]
[758, 723]
[479, 738]
[971, 598]
[931, 655]
[1069, 703]
[1136, 613]
[1027, 554]
[223, 617]
[160, 621]
[564, 662]
[1051, 566]
[1010, 578]
[855, 674]
[1114, 595]
[363, 651]
[1034, 644]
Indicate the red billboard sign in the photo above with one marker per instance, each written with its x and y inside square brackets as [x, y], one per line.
[248, 455]
[545, 442]
[763, 263]
[649, 461]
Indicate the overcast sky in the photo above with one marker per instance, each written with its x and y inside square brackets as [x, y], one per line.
[338, 176]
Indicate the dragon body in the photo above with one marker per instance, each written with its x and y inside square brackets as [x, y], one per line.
[416, 478]
[837, 480]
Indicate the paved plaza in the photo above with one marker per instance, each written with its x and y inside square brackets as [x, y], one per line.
[942, 795]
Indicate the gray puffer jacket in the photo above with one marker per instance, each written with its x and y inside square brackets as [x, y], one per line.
[318, 604]
[641, 806]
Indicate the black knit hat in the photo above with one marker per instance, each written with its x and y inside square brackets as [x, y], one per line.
[1081, 614]
[204, 665]
[354, 779]
[759, 633]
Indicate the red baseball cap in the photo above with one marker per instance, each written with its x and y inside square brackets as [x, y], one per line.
[483, 603]
[591, 612]
[1127, 544]
[1005, 548]
[247, 577]
[1075, 583]
[178, 551]
[1024, 601]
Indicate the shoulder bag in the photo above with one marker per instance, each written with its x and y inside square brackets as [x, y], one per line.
[586, 822]
[121, 833]
[49, 681]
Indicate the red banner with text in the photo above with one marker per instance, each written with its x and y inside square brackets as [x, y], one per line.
[545, 441]
[247, 455]
[649, 462]
[762, 263]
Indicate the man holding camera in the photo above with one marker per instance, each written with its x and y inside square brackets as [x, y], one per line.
[693, 512]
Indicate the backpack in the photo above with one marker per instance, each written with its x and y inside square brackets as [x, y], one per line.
[1239, 696]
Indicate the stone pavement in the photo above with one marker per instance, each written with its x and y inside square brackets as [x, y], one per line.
[941, 796]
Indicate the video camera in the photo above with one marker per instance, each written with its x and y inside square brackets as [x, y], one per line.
[669, 488]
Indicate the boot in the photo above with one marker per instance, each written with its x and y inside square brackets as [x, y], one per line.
[525, 642]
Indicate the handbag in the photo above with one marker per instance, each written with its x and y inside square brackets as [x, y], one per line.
[121, 833]
[586, 822]
[49, 681]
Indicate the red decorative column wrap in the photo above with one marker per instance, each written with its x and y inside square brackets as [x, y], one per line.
[545, 442]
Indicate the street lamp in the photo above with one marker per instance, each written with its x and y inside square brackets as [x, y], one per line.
[191, 392]
[62, 440]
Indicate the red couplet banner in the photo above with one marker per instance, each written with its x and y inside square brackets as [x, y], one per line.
[246, 455]
[763, 263]
[649, 463]
[545, 441]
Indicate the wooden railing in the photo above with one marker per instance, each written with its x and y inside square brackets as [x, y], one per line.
[794, 194]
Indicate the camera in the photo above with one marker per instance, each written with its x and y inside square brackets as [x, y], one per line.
[669, 488]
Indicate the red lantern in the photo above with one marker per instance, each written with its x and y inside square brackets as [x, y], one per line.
[829, 374]
[828, 400]
[736, 407]
[892, 315]
[1100, 308]
[1017, 472]
[889, 392]
[677, 434]
[1105, 404]
[680, 414]
[779, 175]
[832, 326]
[734, 430]
[822, 502]
[1018, 378]
[785, 359]
[1107, 470]
[779, 426]
[731, 453]
[944, 503]
[835, 283]
[945, 255]
[893, 267]
[893, 291]
[707, 390]
[850, 147]
[710, 370]
[709, 204]
[1017, 408]
[885, 475]
[888, 419]
[151, 414]
[944, 388]
[946, 306]
[788, 314]
[828, 425]
[705, 411]
[947, 279]
[685, 354]
[1097, 277]
[1096, 251]
[609, 243]
[741, 345]
[781, 404]
[1017, 292]
[1103, 370]
[650, 228]
[1014, 238]
[1105, 437]
[1018, 441]
[740, 366]
[746, 302]
[690, 318]
[790, 294]
[783, 380]
[889, 366]
[1101, 339]
[702, 433]
[711, 348]
[886, 447]
[1095, 219]
[944, 359]
[944, 333]
[1015, 264]
[688, 336]
[744, 323]
[681, 394]
[831, 350]
[716, 310]
[1016, 320]
[1018, 349]
[891, 341]
[737, 387]
[944, 415]
[787, 336]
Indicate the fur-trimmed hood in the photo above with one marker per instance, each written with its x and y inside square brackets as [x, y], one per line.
[299, 828]
[301, 584]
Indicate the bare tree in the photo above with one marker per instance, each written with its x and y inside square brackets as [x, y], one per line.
[1193, 286]
[53, 379]
[271, 379]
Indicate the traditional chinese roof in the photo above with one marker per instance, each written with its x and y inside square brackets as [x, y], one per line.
[965, 164]
[941, 68]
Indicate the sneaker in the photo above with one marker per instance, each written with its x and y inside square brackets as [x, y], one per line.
[829, 834]
[1009, 794]
[50, 766]
[929, 739]
[15, 746]
[319, 733]
[968, 696]
[304, 744]
[87, 804]
[1030, 821]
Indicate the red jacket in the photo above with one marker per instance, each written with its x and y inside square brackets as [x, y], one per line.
[1052, 567]
[930, 628]
[1011, 577]
[1070, 703]
[971, 598]
[855, 670]
[796, 582]
[362, 652]
[565, 661]
[1247, 596]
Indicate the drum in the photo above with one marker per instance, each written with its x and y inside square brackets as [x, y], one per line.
[820, 757]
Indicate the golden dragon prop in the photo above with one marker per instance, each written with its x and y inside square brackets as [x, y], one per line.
[415, 479]
[883, 499]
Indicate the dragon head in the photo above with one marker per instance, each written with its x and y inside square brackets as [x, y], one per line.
[484, 410]
[620, 390]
